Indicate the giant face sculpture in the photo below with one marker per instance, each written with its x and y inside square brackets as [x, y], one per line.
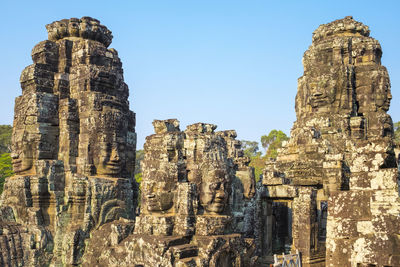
[214, 190]
[110, 159]
[322, 90]
[23, 153]
[382, 92]
[25, 137]
[111, 146]
[73, 27]
[158, 195]
[61, 28]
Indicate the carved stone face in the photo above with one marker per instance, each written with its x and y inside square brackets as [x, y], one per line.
[84, 29]
[322, 91]
[110, 146]
[73, 28]
[62, 28]
[158, 196]
[22, 157]
[383, 94]
[23, 147]
[110, 159]
[214, 191]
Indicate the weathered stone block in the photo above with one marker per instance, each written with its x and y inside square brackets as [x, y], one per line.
[281, 191]
[384, 179]
[359, 209]
[339, 252]
[342, 228]
[360, 180]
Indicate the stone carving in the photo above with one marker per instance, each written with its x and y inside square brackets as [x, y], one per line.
[161, 177]
[213, 191]
[332, 193]
[339, 158]
[242, 197]
[85, 28]
[73, 146]
[185, 217]
[163, 171]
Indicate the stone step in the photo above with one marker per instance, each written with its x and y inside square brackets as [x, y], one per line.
[172, 241]
[184, 251]
[187, 262]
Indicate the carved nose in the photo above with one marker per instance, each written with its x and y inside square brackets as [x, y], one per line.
[220, 194]
[151, 196]
[14, 155]
[115, 155]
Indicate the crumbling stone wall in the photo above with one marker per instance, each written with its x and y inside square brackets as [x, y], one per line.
[73, 147]
[340, 153]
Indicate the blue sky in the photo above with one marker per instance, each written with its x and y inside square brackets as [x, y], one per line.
[231, 63]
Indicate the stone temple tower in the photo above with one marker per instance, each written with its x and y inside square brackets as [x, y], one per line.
[73, 146]
[332, 192]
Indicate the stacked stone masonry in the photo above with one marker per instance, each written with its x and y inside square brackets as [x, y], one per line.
[332, 193]
[337, 175]
[186, 217]
[73, 148]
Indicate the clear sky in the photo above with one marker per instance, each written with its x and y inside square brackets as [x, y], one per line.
[231, 63]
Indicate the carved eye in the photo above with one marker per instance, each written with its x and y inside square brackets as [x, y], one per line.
[215, 186]
[108, 147]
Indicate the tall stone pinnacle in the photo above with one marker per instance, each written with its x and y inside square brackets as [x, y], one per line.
[73, 144]
[337, 175]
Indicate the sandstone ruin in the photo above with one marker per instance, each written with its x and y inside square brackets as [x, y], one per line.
[73, 148]
[186, 216]
[332, 193]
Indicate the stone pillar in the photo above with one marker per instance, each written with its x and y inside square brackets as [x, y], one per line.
[304, 226]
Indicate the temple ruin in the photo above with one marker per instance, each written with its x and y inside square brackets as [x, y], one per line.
[73, 148]
[332, 193]
[186, 218]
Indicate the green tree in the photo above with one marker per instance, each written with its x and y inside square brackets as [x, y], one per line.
[250, 148]
[272, 142]
[258, 163]
[5, 169]
[5, 158]
[138, 178]
[5, 138]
